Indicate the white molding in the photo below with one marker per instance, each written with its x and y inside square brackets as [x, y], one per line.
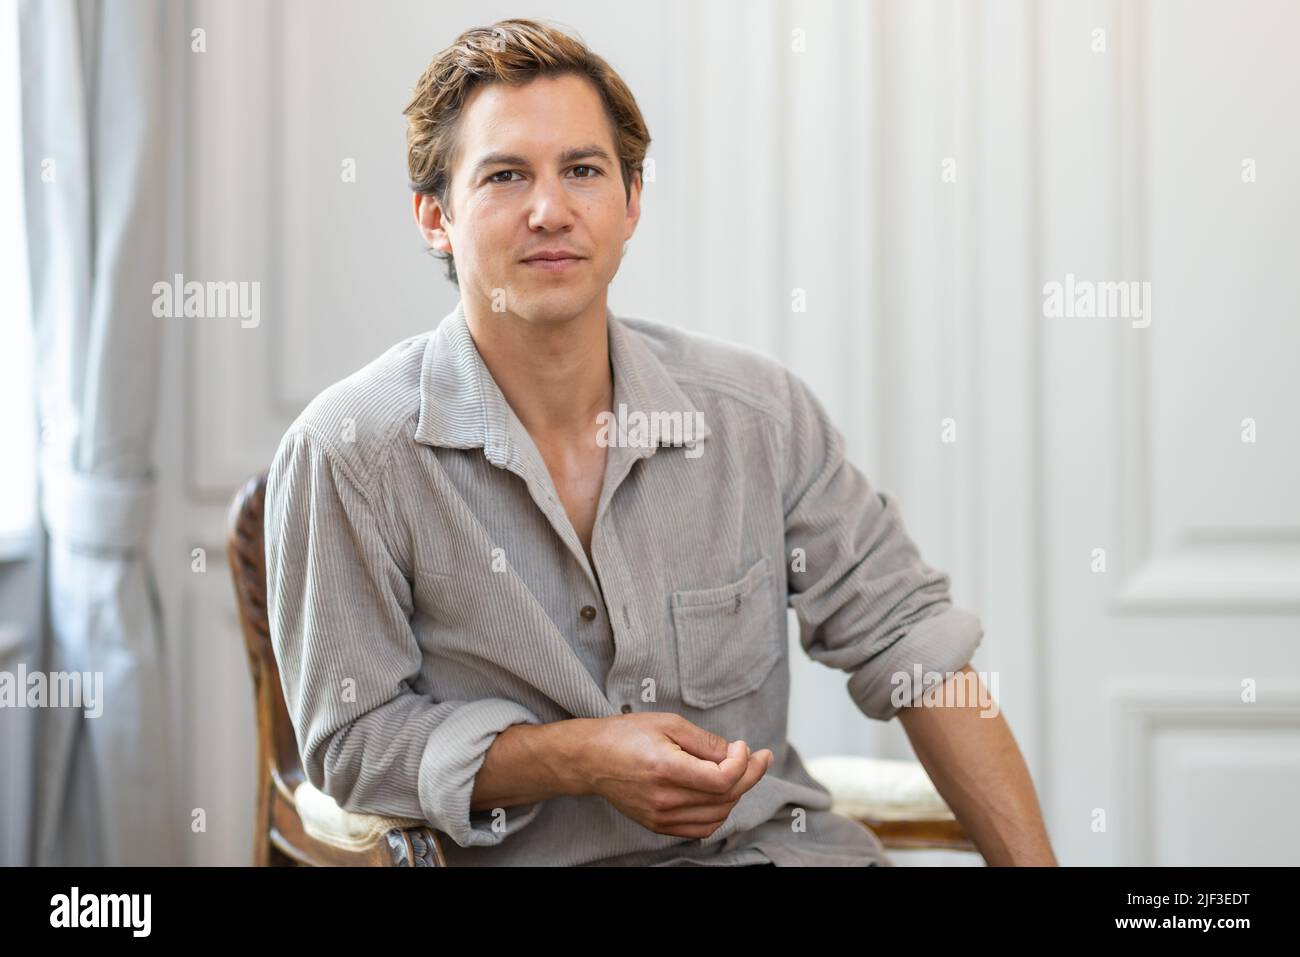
[1216, 575]
[1208, 571]
[228, 368]
[218, 723]
[1218, 580]
[1142, 706]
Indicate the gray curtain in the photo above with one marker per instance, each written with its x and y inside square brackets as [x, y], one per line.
[93, 136]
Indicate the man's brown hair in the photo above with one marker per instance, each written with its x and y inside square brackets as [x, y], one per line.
[513, 52]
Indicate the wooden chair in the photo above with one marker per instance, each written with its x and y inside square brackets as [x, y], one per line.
[297, 824]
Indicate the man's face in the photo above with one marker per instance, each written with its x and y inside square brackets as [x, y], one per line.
[530, 178]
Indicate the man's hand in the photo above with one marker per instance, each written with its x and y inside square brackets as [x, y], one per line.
[667, 774]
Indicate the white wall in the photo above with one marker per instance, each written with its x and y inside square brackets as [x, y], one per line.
[821, 170]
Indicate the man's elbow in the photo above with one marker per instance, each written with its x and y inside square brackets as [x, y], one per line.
[330, 775]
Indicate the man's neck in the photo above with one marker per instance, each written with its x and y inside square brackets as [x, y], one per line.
[555, 375]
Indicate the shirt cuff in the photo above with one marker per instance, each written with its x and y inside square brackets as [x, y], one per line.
[452, 757]
[942, 643]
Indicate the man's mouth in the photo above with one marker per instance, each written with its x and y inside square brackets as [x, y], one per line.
[553, 263]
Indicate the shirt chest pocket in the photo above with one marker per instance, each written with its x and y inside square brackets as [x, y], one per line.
[725, 638]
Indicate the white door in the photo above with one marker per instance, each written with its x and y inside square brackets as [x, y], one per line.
[1170, 156]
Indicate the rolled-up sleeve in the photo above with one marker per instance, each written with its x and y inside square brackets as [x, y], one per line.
[866, 601]
[339, 610]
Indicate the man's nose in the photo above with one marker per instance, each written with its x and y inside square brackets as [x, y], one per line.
[551, 205]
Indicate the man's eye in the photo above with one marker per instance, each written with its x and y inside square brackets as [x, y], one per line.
[492, 177]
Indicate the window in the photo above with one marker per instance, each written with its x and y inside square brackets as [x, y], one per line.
[17, 399]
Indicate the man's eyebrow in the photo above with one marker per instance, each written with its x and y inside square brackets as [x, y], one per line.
[568, 156]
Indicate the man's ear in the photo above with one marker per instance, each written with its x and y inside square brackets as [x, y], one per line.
[633, 206]
[429, 218]
[420, 209]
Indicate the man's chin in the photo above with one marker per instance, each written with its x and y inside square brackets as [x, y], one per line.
[550, 305]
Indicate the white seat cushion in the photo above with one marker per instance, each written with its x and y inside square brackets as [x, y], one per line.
[324, 820]
[883, 789]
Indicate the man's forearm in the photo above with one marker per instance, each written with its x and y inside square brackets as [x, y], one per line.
[528, 763]
[975, 764]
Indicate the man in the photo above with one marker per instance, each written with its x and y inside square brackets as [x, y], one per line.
[528, 571]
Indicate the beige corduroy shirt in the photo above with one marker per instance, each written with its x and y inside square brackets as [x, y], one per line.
[426, 591]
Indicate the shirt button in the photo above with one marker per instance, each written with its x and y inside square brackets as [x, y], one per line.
[587, 613]
[627, 708]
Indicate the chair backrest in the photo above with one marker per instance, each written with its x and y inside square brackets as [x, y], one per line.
[278, 762]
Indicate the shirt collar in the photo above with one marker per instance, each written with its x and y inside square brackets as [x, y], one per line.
[462, 407]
